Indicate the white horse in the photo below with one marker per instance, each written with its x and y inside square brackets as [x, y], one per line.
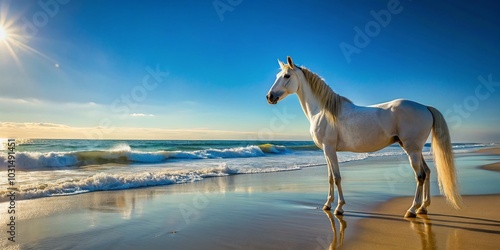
[339, 125]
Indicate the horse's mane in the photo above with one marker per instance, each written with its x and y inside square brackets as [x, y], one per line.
[329, 100]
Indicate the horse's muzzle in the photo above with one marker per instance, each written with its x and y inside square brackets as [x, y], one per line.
[271, 99]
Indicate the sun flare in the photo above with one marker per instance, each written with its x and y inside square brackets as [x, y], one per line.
[3, 34]
[12, 40]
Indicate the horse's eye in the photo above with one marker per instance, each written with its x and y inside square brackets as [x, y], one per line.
[286, 76]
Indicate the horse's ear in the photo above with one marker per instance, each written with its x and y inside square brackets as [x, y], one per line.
[280, 63]
[290, 62]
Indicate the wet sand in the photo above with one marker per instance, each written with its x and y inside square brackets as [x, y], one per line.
[476, 226]
[268, 211]
[494, 166]
[495, 151]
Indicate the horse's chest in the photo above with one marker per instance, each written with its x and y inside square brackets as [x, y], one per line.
[317, 141]
[321, 131]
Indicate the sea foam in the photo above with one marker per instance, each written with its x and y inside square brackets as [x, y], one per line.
[116, 181]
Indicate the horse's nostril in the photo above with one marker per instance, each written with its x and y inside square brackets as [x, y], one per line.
[270, 96]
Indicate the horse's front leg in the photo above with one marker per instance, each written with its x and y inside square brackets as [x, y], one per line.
[334, 171]
[331, 190]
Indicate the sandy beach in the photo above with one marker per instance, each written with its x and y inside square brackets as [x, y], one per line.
[270, 211]
[495, 151]
[494, 166]
[476, 226]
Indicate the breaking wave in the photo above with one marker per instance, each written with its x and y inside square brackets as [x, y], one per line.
[123, 154]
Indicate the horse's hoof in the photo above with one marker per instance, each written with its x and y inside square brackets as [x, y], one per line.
[337, 212]
[325, 207]
[410, 215]
[422, 211]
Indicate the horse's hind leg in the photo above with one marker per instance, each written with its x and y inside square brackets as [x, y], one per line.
[427, 186]
[416, 162]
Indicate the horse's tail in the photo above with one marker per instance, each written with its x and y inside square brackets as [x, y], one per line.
[443, 159]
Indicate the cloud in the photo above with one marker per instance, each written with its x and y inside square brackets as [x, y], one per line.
[38, 103]
[20, 101]
[30, 125]
[141, 115]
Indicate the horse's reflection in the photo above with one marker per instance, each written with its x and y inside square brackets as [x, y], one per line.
[337, 241]
[423, 227]
[381, 222]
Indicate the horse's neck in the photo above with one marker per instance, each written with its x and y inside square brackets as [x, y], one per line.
[308, 101]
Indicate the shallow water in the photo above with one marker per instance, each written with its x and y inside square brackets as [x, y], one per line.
[66, 167]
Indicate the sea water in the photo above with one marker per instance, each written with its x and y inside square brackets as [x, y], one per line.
[65, 167]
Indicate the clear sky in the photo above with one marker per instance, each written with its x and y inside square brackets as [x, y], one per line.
[201, 69]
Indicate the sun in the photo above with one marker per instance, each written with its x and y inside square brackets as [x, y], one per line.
[11, 40]
[3, 34]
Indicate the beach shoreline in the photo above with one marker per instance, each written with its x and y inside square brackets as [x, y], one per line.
[493, 166]
[279, 210]
[490, 150]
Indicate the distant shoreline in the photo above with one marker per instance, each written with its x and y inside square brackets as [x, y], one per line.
[494, 150]
[494, 166]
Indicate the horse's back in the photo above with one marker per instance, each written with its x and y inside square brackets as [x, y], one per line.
[400, 104]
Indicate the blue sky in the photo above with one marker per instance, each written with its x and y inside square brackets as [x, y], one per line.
[83, 76]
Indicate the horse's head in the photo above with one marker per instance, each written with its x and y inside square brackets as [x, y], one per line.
[287, 82]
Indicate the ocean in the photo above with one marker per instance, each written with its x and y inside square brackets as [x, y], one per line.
[47, 167]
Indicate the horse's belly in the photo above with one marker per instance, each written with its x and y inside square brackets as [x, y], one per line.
[363, 141]
[362, 148]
